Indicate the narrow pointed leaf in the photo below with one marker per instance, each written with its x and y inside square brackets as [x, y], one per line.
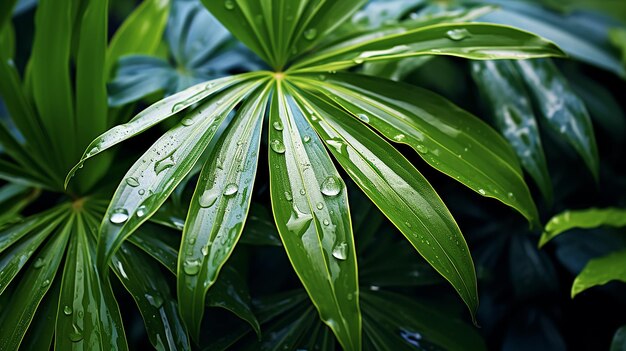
[231, 292]
[12, 261]
[91, 94]
[600, 271]
[158, 242]
[156, 174]
[34, 284]
[401, 193]
[88, 317]
[477, 41]
[585, 219]
[506, 95]
[140, 33]
[310, 207]
[445, 136]
[52, 90]
[40, 333]
[219, 207]
[142, 277]
[562, 108]
[11, 235]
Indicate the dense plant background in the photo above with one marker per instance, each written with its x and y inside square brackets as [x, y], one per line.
[545, 265]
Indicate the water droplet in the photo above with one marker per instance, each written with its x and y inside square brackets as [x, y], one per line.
[288, 196]
[191, 267]
[141, 192]
[278, 146]
[187, 121]
[229, 4]
[302, 192]
[39, 262]
[298, 222]
[363, 117]
[350, 296]
[306, 139]
[76, 335]
[67, 310]
[482, 191]
[177, 107]
[45, 283]
[192, 241]
[322, 77]
[421, 149]
[164, 164]
[411, 338]
[231, 189]
[326, 222]
[277, 125]
[93, 151]
[458, 34]
[331, 186]
[511, 196]
[118, 216]
[205, 250]
[319, 206]
[340, 251]
[155, 300]
[141, 211]
[399, 137]
[358, 60]
[310, 33]
[208, 198]
[132, 181]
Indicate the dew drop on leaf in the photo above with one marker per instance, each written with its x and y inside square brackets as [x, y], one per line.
[164, 164]
[141, 211]
[458, 34]
[45, 283]
[340, 251]
[67, 310]
[363, 117]
[208, 198]
[421, 149]
[306, 139]
[187, 121]
[132, 181]
[76, 335]
[205, 250]
[155, 300]
[277, 125]
[299, 222]
[118, 216]
[310, 33]
[331, 186]
[319, 206]
[229, 4]
[231, 189]
[39, 262]
[288, 196]
[191, 266]
[278, 146]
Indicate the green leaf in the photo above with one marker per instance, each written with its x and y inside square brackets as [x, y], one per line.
[13, 199]
[143, 278]
[231, 292]
[91, 94]
[446, 137]
[586, 219]
[140, 33]
[393, 321]
[14, 259]
[31, 289]
[219, 207]
[52, 89]
[619, 340]
[503, 87]
[310, 206]
[600, 271]
[7, 40]
[157, 113]
[160, 243]
[88, 317]
[6, 10]
[401, 193]
[150, 181]
[41, 330]
[11, 235]
[469, 40]
[562, 108]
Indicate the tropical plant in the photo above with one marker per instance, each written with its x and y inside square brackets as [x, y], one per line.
[313, 108]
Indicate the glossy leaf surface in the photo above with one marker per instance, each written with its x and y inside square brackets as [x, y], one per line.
[562, 109]
[586, 219]
[508, 99]
[446, 137]
[401, 193]
[600, 271]
[310, 207]
[219, 207]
